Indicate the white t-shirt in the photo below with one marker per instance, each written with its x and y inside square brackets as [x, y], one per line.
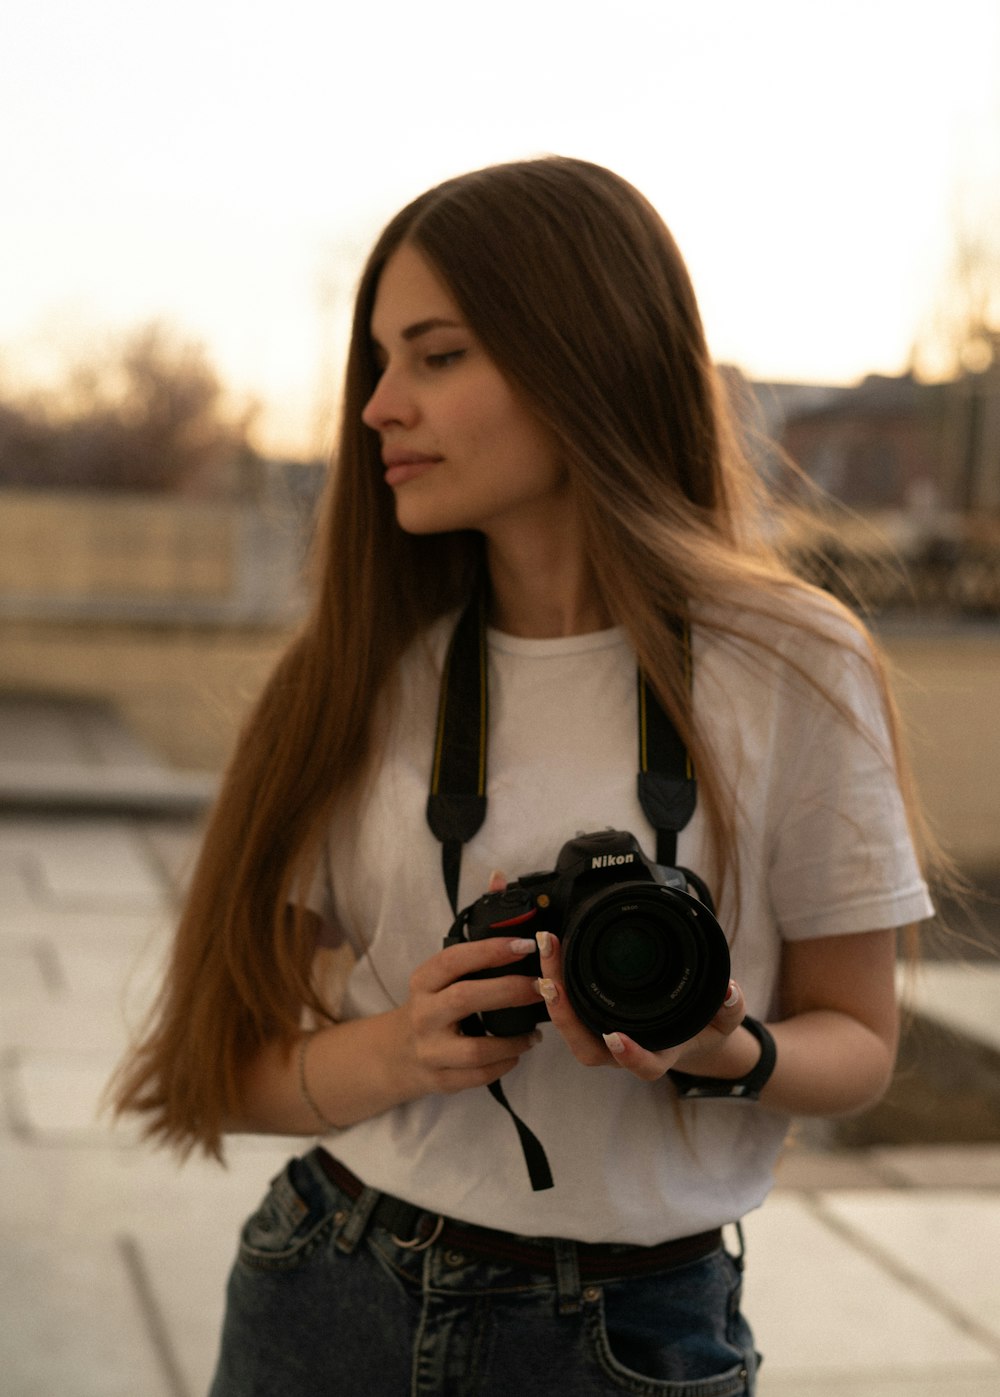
[823, 849]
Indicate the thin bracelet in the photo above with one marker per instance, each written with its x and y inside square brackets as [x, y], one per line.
[304, 1091]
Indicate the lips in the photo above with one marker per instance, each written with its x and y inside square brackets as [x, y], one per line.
[402, 464]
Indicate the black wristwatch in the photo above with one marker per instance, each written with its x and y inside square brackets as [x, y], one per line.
[748, 1088]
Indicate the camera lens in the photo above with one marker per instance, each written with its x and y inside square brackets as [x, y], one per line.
[630, 955]
[648, 960]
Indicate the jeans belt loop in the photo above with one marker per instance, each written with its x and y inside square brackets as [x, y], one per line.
[418, 1243]
[354, 1228]
[740, 1257]
[567, 1275]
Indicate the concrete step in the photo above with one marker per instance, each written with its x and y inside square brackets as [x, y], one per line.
[81, 789]
[77, 755]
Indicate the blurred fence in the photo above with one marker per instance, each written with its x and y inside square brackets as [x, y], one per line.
[171, 609]
[115, 557]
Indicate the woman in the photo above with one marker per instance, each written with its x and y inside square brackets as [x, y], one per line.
[531, 418]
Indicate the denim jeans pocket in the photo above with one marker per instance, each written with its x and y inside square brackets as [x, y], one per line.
[295, 1217]
[678, 1333]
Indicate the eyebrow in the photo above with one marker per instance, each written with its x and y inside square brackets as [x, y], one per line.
[423, 327]
[413, 332]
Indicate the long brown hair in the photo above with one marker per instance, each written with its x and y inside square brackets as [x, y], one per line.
[574, 286]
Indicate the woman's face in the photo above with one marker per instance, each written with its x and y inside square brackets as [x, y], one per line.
[460, 449]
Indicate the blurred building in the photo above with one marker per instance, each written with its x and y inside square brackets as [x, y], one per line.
[894, 443]
[905, 513]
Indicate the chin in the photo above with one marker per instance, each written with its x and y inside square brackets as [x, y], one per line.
[423, 518]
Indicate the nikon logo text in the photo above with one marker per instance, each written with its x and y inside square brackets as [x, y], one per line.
[611, 860]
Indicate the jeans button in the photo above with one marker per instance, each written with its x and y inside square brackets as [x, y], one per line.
[454, 1258]
[592, 1293]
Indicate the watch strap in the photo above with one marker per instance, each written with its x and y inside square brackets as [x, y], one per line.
[748, 1088]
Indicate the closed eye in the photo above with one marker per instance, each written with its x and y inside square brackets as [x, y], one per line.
[442, 361]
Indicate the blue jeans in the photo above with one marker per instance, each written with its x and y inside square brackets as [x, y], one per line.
[323, 1302]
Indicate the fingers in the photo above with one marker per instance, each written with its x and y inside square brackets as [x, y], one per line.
[450, 1062]
[646, 1065]
[460, 981]
[446, 1059]
[712, 1038]
[585, 1046]
[732, 1013]
[457, 1062]
[617, 1047]
[457, 962]
[440, 1007]
[466, 997]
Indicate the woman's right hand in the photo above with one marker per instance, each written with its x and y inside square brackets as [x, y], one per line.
[434, 1052]
[358, 1068]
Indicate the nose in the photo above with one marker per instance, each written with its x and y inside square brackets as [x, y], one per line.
[389, 405]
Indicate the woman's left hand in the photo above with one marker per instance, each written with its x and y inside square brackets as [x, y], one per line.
[617, 1049]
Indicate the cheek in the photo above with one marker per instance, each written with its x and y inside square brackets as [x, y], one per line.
[512, 444]
[532, 456]
[482, 416]
[494, 435]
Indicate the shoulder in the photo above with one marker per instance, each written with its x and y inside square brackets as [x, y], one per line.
[794, 631]
[799, 661]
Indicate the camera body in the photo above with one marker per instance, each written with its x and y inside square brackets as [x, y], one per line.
[641, 954]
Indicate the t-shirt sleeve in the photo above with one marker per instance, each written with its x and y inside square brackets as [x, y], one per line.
[843, 857]
[332, 958]
[317, 896]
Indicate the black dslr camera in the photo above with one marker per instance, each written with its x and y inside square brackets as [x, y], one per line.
[640, 952]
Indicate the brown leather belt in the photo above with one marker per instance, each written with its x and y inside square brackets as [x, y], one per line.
[416, 1229]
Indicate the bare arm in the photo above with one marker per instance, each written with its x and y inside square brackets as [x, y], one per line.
[836, 1036]
[839, 1031]
[362, 1067]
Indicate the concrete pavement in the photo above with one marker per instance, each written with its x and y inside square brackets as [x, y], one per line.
[873, 1273]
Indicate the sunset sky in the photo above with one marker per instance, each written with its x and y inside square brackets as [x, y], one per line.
[225, 166]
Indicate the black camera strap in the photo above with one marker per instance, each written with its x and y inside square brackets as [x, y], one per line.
[456, 805]
[668, 791]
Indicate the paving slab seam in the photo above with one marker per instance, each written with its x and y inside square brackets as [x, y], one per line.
[160, 868]
[13, 1099]
[152, 1315]
[911, 1280]
[28, 868]
[50, 966]
[891, 1177]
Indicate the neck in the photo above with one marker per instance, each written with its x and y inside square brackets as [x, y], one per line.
[540, 592]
